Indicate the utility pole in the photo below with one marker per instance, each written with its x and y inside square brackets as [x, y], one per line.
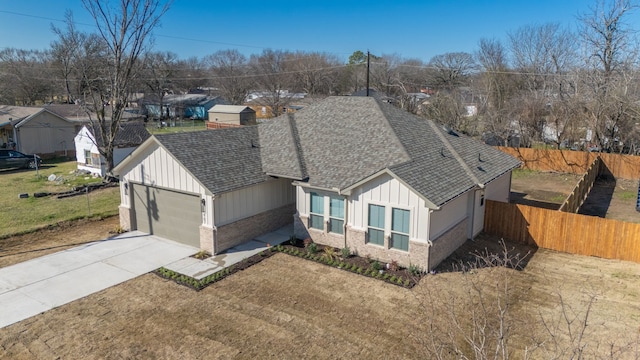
[368, 62]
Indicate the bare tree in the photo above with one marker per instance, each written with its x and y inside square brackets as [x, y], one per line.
[450, 70]
[125, 27]
[26, 77]
[314, 72]
[230, 75]
[272, 79]
[610, 60]
[158, 75]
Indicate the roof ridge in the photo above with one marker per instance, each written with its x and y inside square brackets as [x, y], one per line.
[385, 116]
[296, 142]
[455, 154]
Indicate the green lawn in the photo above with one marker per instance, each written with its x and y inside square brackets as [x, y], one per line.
[23, 215]
[181, 126]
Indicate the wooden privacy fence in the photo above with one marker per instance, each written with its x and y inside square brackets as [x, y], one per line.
[561, 231]
[581, 190]
[575, 162]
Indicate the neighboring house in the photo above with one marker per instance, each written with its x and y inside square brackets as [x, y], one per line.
[129, 137]
[187, 106]
[37, 130]
[221, 116]
[348, 171]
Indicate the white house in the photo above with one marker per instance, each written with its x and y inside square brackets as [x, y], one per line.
[348, 171]
[129, 136]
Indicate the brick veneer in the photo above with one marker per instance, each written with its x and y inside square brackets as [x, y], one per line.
[125, 217]
[420, 253]
[241, 231]
[448, 242]
[207, 236]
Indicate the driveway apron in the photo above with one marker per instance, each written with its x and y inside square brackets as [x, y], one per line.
[41, 284]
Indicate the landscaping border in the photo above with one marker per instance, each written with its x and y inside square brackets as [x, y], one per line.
[326, 255]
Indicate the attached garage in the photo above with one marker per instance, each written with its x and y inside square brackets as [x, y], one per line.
[169, 214]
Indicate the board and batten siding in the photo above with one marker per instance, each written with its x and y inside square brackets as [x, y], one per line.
[242, 203]
[389, 192]
[158, 168]
[449, 215]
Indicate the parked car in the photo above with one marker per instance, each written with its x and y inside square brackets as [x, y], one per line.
[16, 159]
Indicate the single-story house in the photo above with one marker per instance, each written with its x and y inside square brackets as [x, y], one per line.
[128, 138]
[187, 106]
[221, 116]
[37, 130]
[347, 171]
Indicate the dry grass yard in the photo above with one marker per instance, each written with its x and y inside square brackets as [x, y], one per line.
[287, 307]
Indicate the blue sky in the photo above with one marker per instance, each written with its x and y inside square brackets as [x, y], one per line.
[411, 29]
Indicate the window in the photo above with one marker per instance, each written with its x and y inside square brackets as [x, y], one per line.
[87, 157]
[316, 219]
[400, 229]
[336, 215]
[376, 224]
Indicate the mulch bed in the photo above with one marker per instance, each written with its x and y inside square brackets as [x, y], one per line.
[389, 274]
[355, 264]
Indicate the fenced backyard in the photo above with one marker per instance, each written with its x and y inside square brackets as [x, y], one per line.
[575, 162]
[565, 230]
[562, 231]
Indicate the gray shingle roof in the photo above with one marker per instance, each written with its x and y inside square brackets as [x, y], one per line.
[130, 134]
[337, 143]
[221, 160]
[343, 140]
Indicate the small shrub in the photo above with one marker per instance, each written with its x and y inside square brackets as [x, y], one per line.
[293, 241]
[399, 281]
[312, 248]
[353, 267]
[201, 255]
[345, 252]
[393, 278]
[393, 265]
[406, 283]
[307, 242]
[119, 230]
[414, 270]
[330, 253]
[385, 276]
[376, 265]
[359, 270]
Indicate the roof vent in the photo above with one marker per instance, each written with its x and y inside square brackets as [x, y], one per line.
[449, 131]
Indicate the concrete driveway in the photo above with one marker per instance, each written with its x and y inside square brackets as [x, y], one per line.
[41, 284]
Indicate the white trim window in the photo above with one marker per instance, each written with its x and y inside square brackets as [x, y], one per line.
[376, 225]
[400, 229]
[87, 157]
[336, 215]
[316, 212]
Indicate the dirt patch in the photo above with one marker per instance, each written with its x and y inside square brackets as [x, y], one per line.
[15, 249]
[289, 307]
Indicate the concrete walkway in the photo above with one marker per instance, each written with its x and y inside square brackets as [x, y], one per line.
[200, 269]
[43, 283]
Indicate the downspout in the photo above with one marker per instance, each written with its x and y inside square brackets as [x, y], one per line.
[346, 219]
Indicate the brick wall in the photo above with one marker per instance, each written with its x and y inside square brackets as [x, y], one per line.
[241, 231]
[418, 253]
[448, 242]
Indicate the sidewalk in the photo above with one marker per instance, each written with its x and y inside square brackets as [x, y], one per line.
[199, 269]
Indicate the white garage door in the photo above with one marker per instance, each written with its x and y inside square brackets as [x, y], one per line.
[168, 214]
